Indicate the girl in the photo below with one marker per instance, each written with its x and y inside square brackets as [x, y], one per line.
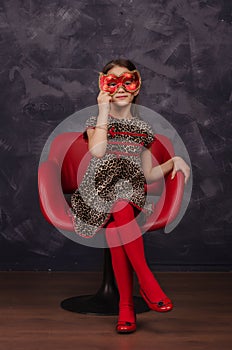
[111, 194]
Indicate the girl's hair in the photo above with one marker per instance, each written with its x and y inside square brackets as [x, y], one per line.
[129, 65]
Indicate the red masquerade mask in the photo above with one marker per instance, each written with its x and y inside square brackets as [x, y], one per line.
[130, 81]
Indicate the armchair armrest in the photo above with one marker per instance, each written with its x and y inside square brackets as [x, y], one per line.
[169, 203]
[52, 201]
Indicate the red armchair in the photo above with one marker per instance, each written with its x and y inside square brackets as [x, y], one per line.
[57, 176]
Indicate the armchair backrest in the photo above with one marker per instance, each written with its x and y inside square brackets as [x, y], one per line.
[70, 151]
[66, 164]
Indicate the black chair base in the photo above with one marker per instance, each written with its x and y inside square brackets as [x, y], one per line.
[95, 305]
[105, 301]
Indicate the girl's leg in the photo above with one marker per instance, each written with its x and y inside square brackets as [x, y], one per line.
[123, 274]
[126, 225]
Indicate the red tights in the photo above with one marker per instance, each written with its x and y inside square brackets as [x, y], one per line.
[128, 256]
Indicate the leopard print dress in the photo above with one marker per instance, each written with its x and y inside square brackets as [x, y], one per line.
[117, 175]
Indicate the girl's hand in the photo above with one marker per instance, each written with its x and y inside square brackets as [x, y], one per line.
[104, 100]
[180, 164]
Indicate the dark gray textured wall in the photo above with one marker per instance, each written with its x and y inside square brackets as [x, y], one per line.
[51, 52]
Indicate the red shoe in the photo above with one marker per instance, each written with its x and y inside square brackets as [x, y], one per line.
[125, 327]
[163, 305]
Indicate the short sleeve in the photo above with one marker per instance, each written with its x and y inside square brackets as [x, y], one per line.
[91, 122]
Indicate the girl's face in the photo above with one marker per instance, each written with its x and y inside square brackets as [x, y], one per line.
[121, 97]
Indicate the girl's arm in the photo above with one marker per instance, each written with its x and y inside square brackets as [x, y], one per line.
[97, 138]
[155, 173]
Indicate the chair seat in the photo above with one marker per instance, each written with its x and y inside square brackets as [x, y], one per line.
[68, 155]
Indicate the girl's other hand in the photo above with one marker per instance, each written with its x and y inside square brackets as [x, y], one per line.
[180, 164]
[104, 100]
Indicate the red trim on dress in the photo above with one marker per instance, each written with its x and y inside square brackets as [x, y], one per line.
[113, 133]
[119, 153]
[125, 143]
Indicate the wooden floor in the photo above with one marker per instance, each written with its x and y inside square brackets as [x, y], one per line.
[31, 317]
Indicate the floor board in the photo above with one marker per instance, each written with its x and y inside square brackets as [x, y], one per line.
[31, 316]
